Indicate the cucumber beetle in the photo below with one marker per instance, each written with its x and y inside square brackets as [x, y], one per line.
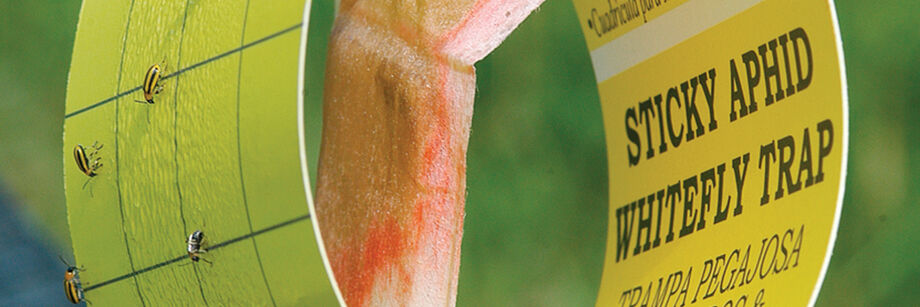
[195, 241]
[72, 287]
[88, 163]
[152, 84]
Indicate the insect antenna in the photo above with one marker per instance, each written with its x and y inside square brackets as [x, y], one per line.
[63, 261]
[91, 194]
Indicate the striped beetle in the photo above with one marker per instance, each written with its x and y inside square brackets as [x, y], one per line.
[88, 163]
[195, 241]
[152, 84]
[72, 287]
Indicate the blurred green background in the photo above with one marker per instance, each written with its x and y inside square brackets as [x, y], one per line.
[537, 205]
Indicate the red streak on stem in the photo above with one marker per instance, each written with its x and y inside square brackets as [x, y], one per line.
[384, 246]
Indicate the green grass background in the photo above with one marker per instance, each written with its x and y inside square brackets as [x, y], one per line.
[536, 204]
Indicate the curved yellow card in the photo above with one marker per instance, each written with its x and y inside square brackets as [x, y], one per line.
[726, 128]
[207, 141]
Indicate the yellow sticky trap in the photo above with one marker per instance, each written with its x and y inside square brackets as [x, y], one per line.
[218, 152]
[726, 129]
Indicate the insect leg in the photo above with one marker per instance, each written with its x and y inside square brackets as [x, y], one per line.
[96, 165]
